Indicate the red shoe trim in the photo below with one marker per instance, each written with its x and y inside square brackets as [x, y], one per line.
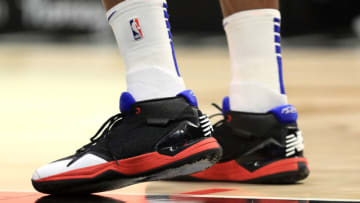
[135, 165]
[232, 171]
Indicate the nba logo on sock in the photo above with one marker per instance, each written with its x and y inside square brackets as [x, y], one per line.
[136, 29]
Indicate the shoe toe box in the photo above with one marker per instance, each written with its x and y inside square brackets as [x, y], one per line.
[61, 166]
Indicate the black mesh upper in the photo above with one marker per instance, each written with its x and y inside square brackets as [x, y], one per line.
[141, 129]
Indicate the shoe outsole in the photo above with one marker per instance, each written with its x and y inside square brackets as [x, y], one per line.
[288, 177]
[110, 180]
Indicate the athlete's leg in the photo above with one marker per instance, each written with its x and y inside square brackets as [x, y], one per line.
[108, 4]
[253, 37]
[233, 6]
[259, 135]
[142, 30]
[152, 138]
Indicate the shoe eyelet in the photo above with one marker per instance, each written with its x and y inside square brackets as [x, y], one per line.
[228, 118]
[138, 110]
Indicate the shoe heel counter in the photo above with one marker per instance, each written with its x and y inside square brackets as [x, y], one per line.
[292, 137]
[285, 114]
[271, 135]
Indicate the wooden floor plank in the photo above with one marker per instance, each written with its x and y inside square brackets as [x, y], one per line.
[53, 98]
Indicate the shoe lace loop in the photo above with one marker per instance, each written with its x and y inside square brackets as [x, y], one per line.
[102, 133]
[220, 122]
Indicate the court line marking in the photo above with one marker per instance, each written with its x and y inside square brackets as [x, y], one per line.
[207, 191]
[272, 198]
[237, 197]
[206, 196]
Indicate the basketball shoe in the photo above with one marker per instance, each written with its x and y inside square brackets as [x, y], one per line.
[150, 140]
[258, 147]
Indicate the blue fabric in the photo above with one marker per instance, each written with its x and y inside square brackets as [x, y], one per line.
[166, 14]
[111, 15]
[168, 24]
[277, 20]
[277, 39]
[276, 28]
[278, 57]
[174, 58]
[285, 114]
[281, 80]
[189, 96]
[126, 102]
[278, 49]
[226, 105]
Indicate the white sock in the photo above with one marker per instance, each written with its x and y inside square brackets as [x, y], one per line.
[254, 43]
[142, 30]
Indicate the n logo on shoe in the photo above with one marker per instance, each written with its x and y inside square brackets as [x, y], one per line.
[294, 142]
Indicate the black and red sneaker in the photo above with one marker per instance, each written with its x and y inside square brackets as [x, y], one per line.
[150, 140]
[258, 148]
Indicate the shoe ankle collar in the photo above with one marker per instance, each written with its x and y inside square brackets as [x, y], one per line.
[190, 97]
[285, 114]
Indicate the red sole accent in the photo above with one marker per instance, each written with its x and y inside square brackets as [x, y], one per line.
[232, 171]
[135, 165]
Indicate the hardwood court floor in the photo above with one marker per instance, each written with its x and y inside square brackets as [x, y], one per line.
[53, 99]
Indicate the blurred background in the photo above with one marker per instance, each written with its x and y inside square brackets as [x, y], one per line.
[83, 20]
[61, 77]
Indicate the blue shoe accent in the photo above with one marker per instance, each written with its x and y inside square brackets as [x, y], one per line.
[189, 96]
[126, 102]
[226, 105]
[285, 114]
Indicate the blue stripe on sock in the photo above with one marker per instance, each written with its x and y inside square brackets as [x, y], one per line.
[279, 62]
[111, 15]
[166, 15]
[277, 39]
[276, 28]
[165, 5]
[174, 57]
[278, 49]
[168, 25]
[170, 35]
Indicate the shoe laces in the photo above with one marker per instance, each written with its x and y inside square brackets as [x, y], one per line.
[220, 122]
[102, 133]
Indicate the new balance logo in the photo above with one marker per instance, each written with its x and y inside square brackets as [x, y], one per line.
[294, 143]
[136, 29]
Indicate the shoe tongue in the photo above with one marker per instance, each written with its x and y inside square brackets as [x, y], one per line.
[225, 105]
[126, 102]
